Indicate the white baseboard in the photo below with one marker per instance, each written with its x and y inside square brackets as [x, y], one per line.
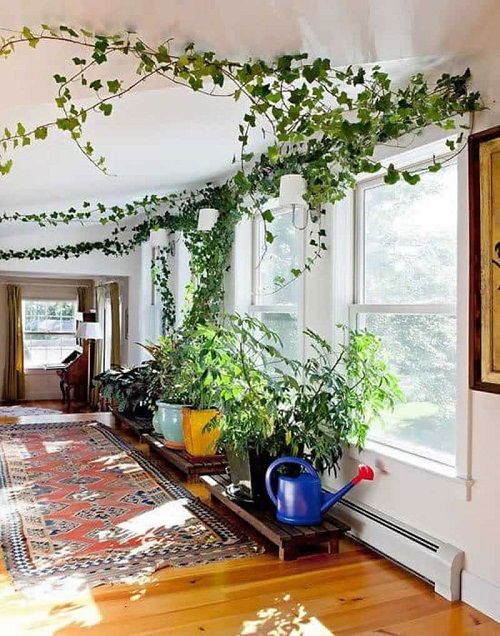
[436, 561]
[481, 594]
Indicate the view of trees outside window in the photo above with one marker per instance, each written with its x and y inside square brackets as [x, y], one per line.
[275, 298]
[49, 331]
[408, 262]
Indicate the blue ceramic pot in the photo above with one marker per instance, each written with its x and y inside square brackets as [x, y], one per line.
[167, 421]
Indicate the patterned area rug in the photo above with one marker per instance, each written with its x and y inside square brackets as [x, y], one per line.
[82, 507]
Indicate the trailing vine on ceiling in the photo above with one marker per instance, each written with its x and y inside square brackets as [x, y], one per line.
[317, 120]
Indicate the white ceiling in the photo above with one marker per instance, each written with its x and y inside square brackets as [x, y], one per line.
[168, 137]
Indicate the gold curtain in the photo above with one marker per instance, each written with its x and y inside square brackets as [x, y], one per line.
[81, 293]
[14, 363]
[114, 296]
[85, 297]
[100, 301]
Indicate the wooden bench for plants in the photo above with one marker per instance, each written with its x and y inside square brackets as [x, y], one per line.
[289, 539]
[136, 427]
[191, 466]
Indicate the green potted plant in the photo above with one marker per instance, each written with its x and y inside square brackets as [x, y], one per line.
[166, 389]
[271, 406]
[233, 369]
[199, 416]
[128, 389]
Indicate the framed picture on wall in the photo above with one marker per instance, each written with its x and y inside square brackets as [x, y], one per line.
[484, 205]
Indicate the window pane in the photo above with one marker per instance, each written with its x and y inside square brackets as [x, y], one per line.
[410, 240]
[274, 262]
[40, 349]
[285, 325]
[43, 321]
[421, 350]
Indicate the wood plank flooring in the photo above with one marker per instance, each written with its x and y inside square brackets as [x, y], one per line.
[354, 592]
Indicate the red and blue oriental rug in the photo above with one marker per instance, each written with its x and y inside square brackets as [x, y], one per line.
[80, 506]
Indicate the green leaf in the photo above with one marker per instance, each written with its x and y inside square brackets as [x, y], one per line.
[106, 108]
[267, 215]
[21, 130]
[41, 132]
[269, 236]
[392, 175]
[114, 86]
[410, 178]
[96, 85]
[32, 40]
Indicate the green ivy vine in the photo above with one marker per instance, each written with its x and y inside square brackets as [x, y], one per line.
[160, 271]
[322, 122]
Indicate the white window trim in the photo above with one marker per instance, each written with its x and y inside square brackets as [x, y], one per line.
[344, 279]
[256, 307]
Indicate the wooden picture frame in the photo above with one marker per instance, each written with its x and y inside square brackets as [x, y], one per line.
[484, 236]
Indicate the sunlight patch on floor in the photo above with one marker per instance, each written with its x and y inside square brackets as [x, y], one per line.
[169, 514]
[292, 620]
[69, 610]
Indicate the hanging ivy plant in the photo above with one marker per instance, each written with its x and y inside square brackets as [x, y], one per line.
[319, 121]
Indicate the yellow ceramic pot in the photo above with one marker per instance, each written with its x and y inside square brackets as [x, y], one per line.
[199, 441]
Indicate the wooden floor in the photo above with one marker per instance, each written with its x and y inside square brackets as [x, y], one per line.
[355, 592]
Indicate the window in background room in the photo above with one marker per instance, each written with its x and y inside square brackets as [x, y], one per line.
[49, 331]
[276, 295]
[406, 257]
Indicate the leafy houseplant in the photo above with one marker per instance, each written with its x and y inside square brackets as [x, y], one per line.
[170, 398]
[128, 389]
[272, 406]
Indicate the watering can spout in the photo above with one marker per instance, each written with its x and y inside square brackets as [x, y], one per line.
[364, 472]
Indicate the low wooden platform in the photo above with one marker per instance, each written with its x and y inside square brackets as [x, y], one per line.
[136, 427]
[191, 466]
[289, 539]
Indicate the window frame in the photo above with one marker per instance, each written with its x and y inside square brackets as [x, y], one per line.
[46, 333]
[255, 308]
[415, 455]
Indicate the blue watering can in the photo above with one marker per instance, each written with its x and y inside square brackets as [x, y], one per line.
[300, 501]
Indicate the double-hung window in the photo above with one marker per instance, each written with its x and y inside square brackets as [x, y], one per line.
[49, 328]
[405, 293]
[276, 297]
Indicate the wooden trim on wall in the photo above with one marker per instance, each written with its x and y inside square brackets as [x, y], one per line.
[475, 313]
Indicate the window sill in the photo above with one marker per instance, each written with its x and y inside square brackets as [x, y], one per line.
[374, 451]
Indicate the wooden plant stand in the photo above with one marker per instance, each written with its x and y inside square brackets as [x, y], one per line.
[136, 427]
[191, 466]
[288, 538]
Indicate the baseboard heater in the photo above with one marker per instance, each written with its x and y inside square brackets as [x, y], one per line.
[437, 562]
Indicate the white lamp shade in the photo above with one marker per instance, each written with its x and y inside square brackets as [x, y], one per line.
[292, 190]
[79, 316]
[158, 238]
[207, 218]
[89, 331]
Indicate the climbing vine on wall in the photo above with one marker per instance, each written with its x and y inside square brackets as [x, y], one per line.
[317, 120]
[160, 270]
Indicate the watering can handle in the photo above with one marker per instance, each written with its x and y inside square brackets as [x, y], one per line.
[285, 460]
